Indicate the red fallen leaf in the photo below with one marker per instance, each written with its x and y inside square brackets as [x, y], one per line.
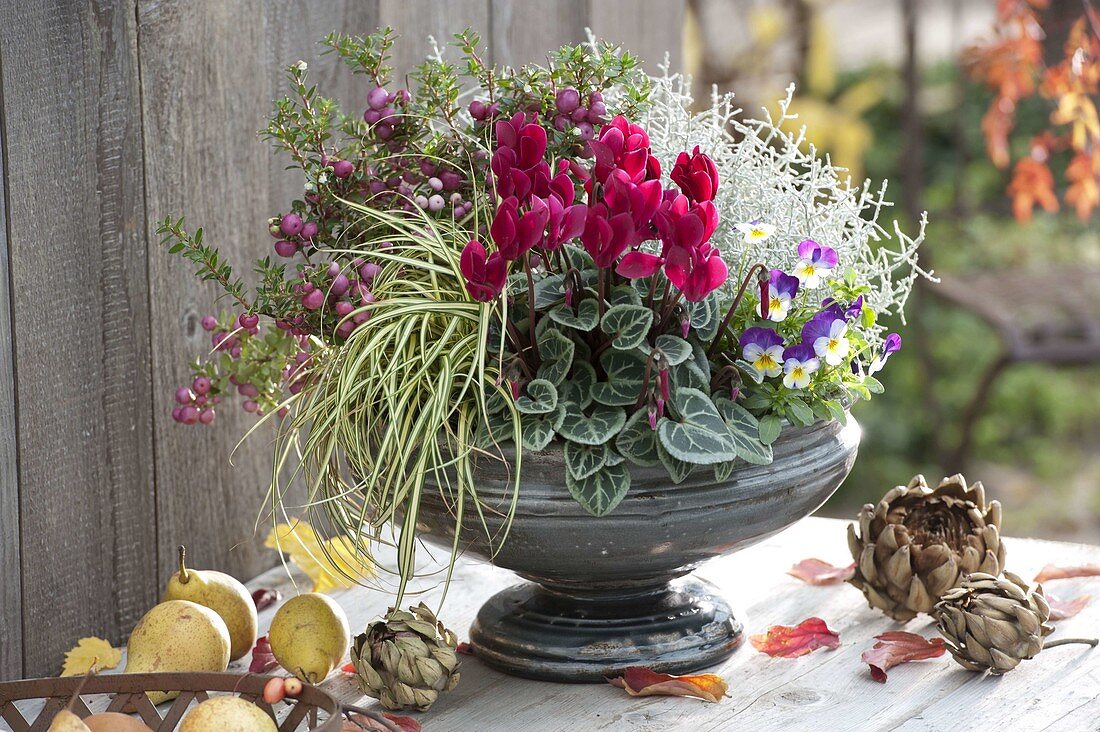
[791, 642]
[897, 647]
[465, 649]
[360, 722]
[262, 657]
[1053, 572]
[641, 681]
[265, 598]
[348, 668]
[1062, 609]
[818, 572]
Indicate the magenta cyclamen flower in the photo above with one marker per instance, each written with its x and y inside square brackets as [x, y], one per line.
[696, 175]
[620, 221]
[624, 146]
[692, 265]
[485, 275]
[890, 346]
[763, 348]
[799, 363]
[814, 259]
[782, 288]
[517, 165]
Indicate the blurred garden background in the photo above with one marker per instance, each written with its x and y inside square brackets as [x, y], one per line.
[904, 91]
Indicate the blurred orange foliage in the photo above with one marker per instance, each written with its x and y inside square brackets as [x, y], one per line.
[1011, 63]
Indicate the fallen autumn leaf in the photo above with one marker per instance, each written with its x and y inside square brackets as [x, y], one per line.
[640, 681]
[818, 572]
[790, 642]
[897, 647]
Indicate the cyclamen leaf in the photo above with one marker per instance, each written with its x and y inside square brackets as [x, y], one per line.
[585, 319]
[1062, 609]
[538, 429]
[677, 469]
[817, 572]
[770, 427]
[897, 647]
[557, 355]
[90, 653]
[548, 291]
[602, 491]
[722, 471]
[704, 317]
[262, 657]
[675, 348]
[1053, 572]
[698, 436]
[793, 641]
[627, 325]
[640, 681]
[745, 431]
[625, 372]
[578, 387]
[637, 441]
[624, 295]
[541, 398]
[583, 460]
[595, 428]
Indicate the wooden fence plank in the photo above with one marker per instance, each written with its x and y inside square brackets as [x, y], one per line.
[648, 28]
[208, 85]
[415, 20]
[523, 32]
[81, 320]
[11, 597]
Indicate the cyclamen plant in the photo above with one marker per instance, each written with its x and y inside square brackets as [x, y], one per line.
[528, 267]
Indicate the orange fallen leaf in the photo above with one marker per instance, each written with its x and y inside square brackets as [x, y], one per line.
[348, 668]
[897, 647]
[1053, 572]
[640, 681]
[361, 722]
[818, 572]
[465, 649]
[790, 642]
[1062, 609]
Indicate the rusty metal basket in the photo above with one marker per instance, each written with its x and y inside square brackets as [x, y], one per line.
[314, 709]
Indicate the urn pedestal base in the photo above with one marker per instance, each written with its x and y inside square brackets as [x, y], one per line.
[574, 635]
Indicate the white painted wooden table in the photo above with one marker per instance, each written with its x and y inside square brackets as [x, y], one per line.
[820, 692]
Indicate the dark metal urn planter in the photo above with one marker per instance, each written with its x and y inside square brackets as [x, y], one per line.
[611, 592]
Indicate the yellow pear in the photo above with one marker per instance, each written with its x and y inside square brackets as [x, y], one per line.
[309, 636]
[177, 635]
[227, 714]
[115, 722]
[223, 594]
[66, 721]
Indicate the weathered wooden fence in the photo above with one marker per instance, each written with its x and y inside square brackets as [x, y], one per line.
[114, 114]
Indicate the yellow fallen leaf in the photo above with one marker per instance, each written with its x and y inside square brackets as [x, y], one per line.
[331, 564]
[90, 652]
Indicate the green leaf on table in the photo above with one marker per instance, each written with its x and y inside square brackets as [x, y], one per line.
[627, 325]
[637, 442]
[541, 397]
[595, 428]
[602, 491]
[578, 387]
[556, 351]
[625, 371]
[770, 427]
[697, 434]
[583, 460]
[584, 319]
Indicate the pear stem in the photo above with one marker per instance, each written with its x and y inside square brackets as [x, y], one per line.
[184, 576]
[1066, 641]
